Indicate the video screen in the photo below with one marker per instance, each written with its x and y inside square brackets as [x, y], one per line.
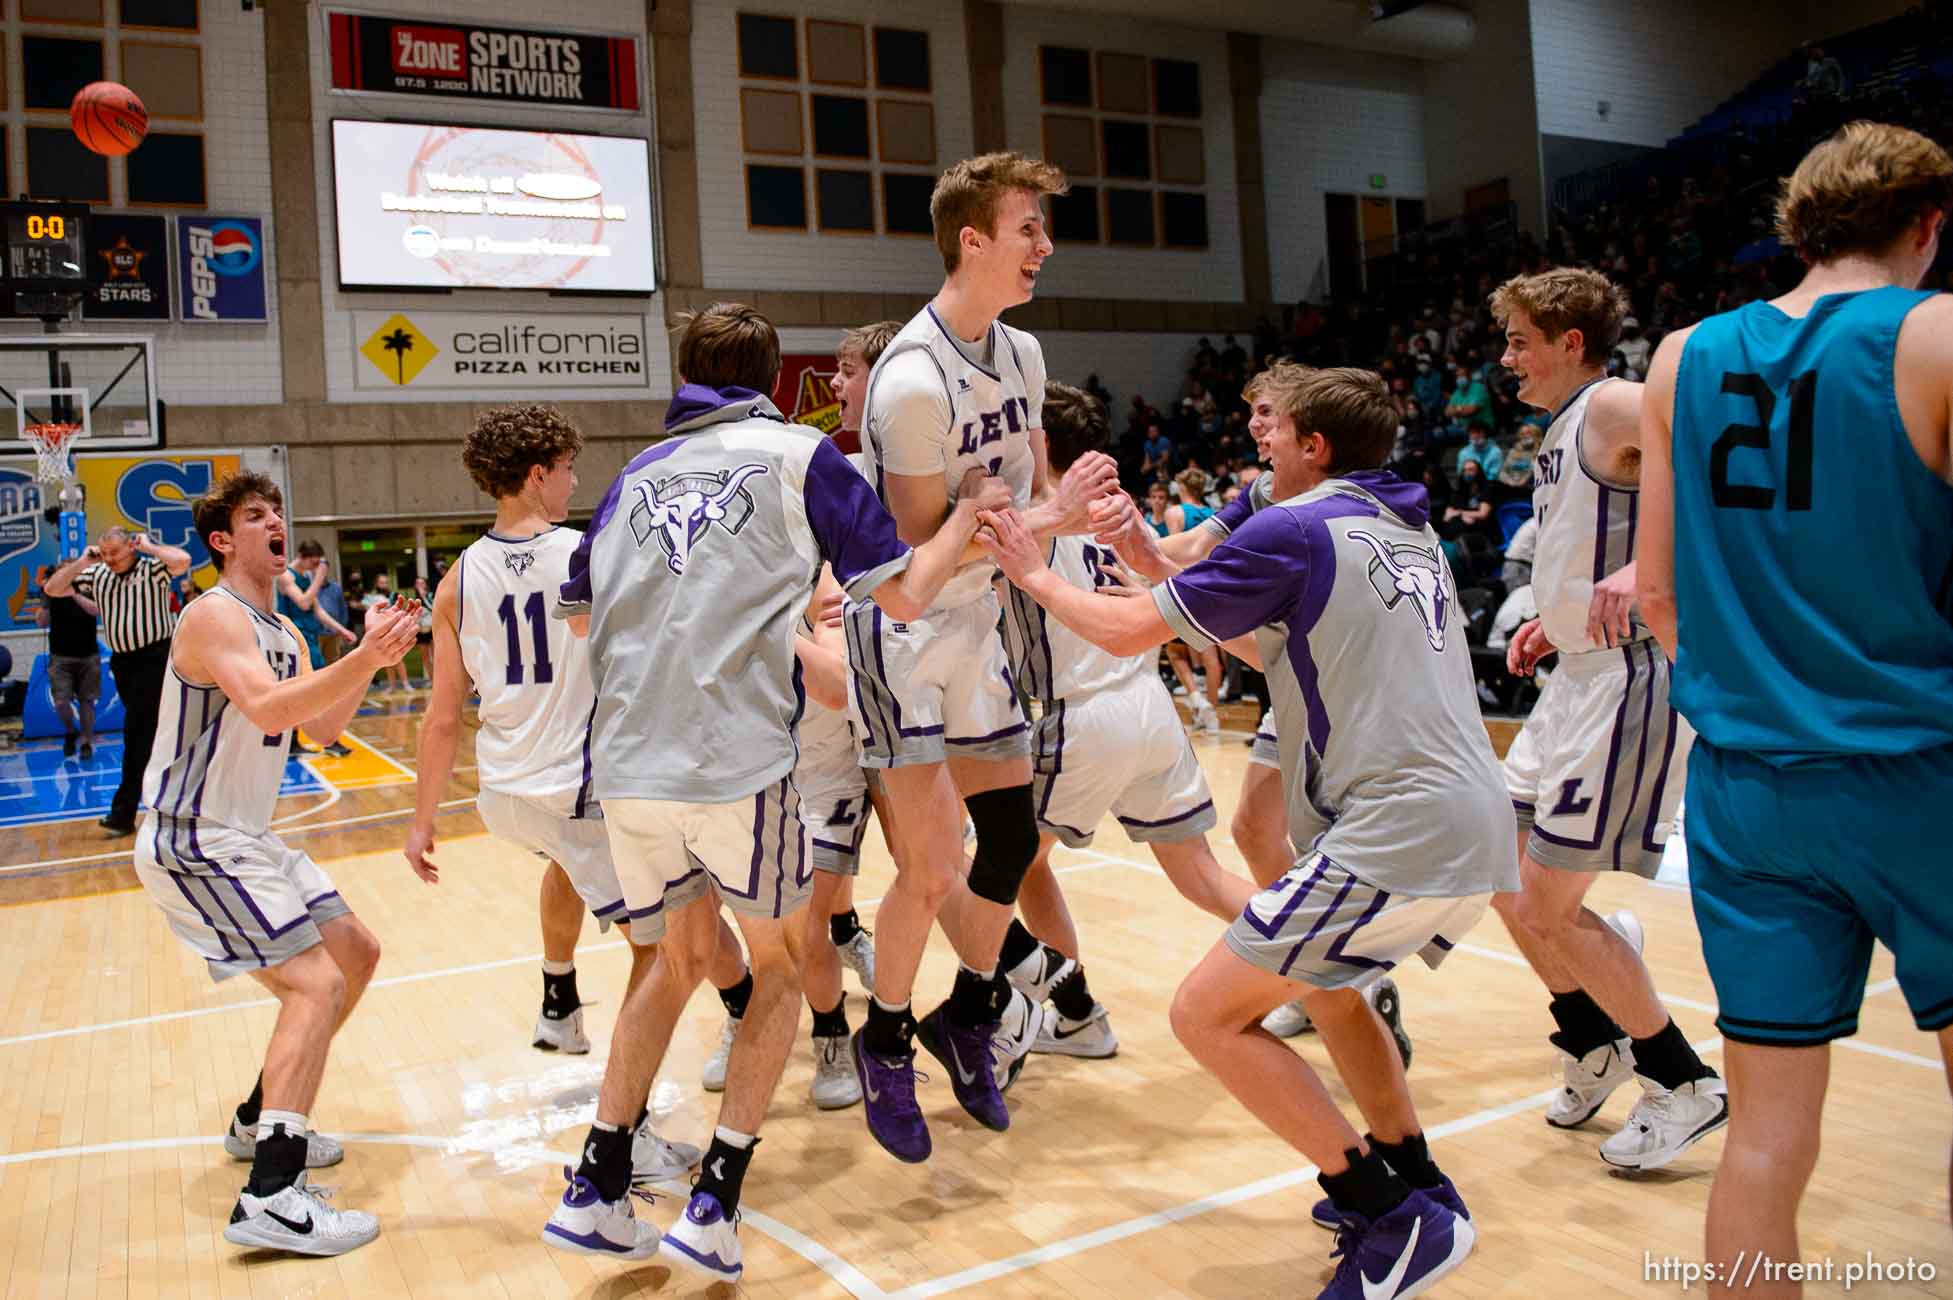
[469, 207]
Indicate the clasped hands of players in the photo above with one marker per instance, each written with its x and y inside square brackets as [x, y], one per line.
[1091, 479]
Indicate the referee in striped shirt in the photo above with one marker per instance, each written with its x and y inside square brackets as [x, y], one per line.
[128, 577]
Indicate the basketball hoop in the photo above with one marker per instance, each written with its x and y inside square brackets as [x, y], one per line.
[52, 463]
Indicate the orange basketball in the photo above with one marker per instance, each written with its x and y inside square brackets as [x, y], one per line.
[108, 118]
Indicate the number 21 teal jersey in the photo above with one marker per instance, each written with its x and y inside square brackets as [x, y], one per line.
[1813, 548]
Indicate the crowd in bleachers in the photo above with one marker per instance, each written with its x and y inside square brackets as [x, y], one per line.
[1687, 231]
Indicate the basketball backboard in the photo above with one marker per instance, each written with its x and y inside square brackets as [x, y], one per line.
[104, 382]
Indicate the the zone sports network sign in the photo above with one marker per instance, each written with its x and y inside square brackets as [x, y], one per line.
[418, 56]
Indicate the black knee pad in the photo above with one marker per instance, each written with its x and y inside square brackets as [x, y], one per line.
[1006, 842]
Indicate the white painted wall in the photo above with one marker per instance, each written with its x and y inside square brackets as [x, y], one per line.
[1212, 275]
[624, 17]
[1330, 119]
[734, 256]
[1481, 119]
[196, 364]
[1659, 64]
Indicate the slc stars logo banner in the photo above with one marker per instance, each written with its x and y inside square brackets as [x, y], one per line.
[220, 263]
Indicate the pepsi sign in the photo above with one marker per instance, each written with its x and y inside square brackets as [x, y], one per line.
[220, 265]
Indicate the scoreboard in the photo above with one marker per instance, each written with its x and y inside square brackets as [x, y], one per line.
[45, 259]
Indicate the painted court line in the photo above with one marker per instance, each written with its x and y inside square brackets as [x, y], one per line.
[122, 854]
[391, 981]
[1691, 1004]
[1040, 1255]
[852, 1279]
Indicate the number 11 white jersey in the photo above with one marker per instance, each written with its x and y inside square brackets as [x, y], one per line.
[532, 672]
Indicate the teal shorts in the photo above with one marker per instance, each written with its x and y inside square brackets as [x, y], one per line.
[1796, 871]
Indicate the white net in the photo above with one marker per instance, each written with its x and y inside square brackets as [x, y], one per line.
[52, 445]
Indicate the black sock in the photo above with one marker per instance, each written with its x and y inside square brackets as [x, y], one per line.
[843, 926]
[1667, 1058]
[888, 1033]
[643, 1113]
[560, 999]
[606, 1163]
[1019, 943]
[738, 996]
[247, 1113]
[1368, 1187]
[974, 998]
[832, 1023]
[1583, 1025]
[1072, 997]
[723, 1170]
[279, 1160]
[1409, 1159]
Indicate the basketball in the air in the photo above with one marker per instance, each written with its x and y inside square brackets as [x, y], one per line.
[108, 117]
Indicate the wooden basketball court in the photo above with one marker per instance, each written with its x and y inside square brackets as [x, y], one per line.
[1129, 1178]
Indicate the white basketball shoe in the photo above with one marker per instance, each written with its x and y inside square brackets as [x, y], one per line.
[858, 955]
[241, 1143]
[706, 1240]
[1288, 1020]
[836, 1085]
[654, 1159]
[586, 1224]
[714, 1079]
[1018, 1031]
[565, 1035]
[1586, 1082]
[1091, 1037]
[1665, 1123]
[297, 1219]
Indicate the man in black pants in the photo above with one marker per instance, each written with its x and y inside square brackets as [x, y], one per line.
[128, 578]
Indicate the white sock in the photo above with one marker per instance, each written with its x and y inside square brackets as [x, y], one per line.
[980, 974]
[559, 967]
[894, 1008]
[733, 1138]
[294, 1123]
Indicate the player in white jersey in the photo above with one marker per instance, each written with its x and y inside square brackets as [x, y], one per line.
[494, 636]
[237, 684]
[957, 391]
[834, 796]
[1597, 770]
[1109, 740]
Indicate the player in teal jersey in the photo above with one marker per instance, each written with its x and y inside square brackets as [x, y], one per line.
[1799, 449]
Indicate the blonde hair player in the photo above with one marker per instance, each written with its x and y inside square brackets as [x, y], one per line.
[958, 393]
[235, 893]
[1818, 791]
[1595, 773]
[495, 638]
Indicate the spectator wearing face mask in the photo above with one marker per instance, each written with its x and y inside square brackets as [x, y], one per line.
[1483, 452]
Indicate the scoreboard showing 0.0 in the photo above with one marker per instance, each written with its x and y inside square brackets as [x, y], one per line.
[45, 246]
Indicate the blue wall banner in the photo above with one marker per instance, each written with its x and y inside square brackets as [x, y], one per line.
[220, 263]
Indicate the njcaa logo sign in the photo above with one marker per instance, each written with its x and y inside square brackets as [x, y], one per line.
[680, 509]
[1411, 573]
